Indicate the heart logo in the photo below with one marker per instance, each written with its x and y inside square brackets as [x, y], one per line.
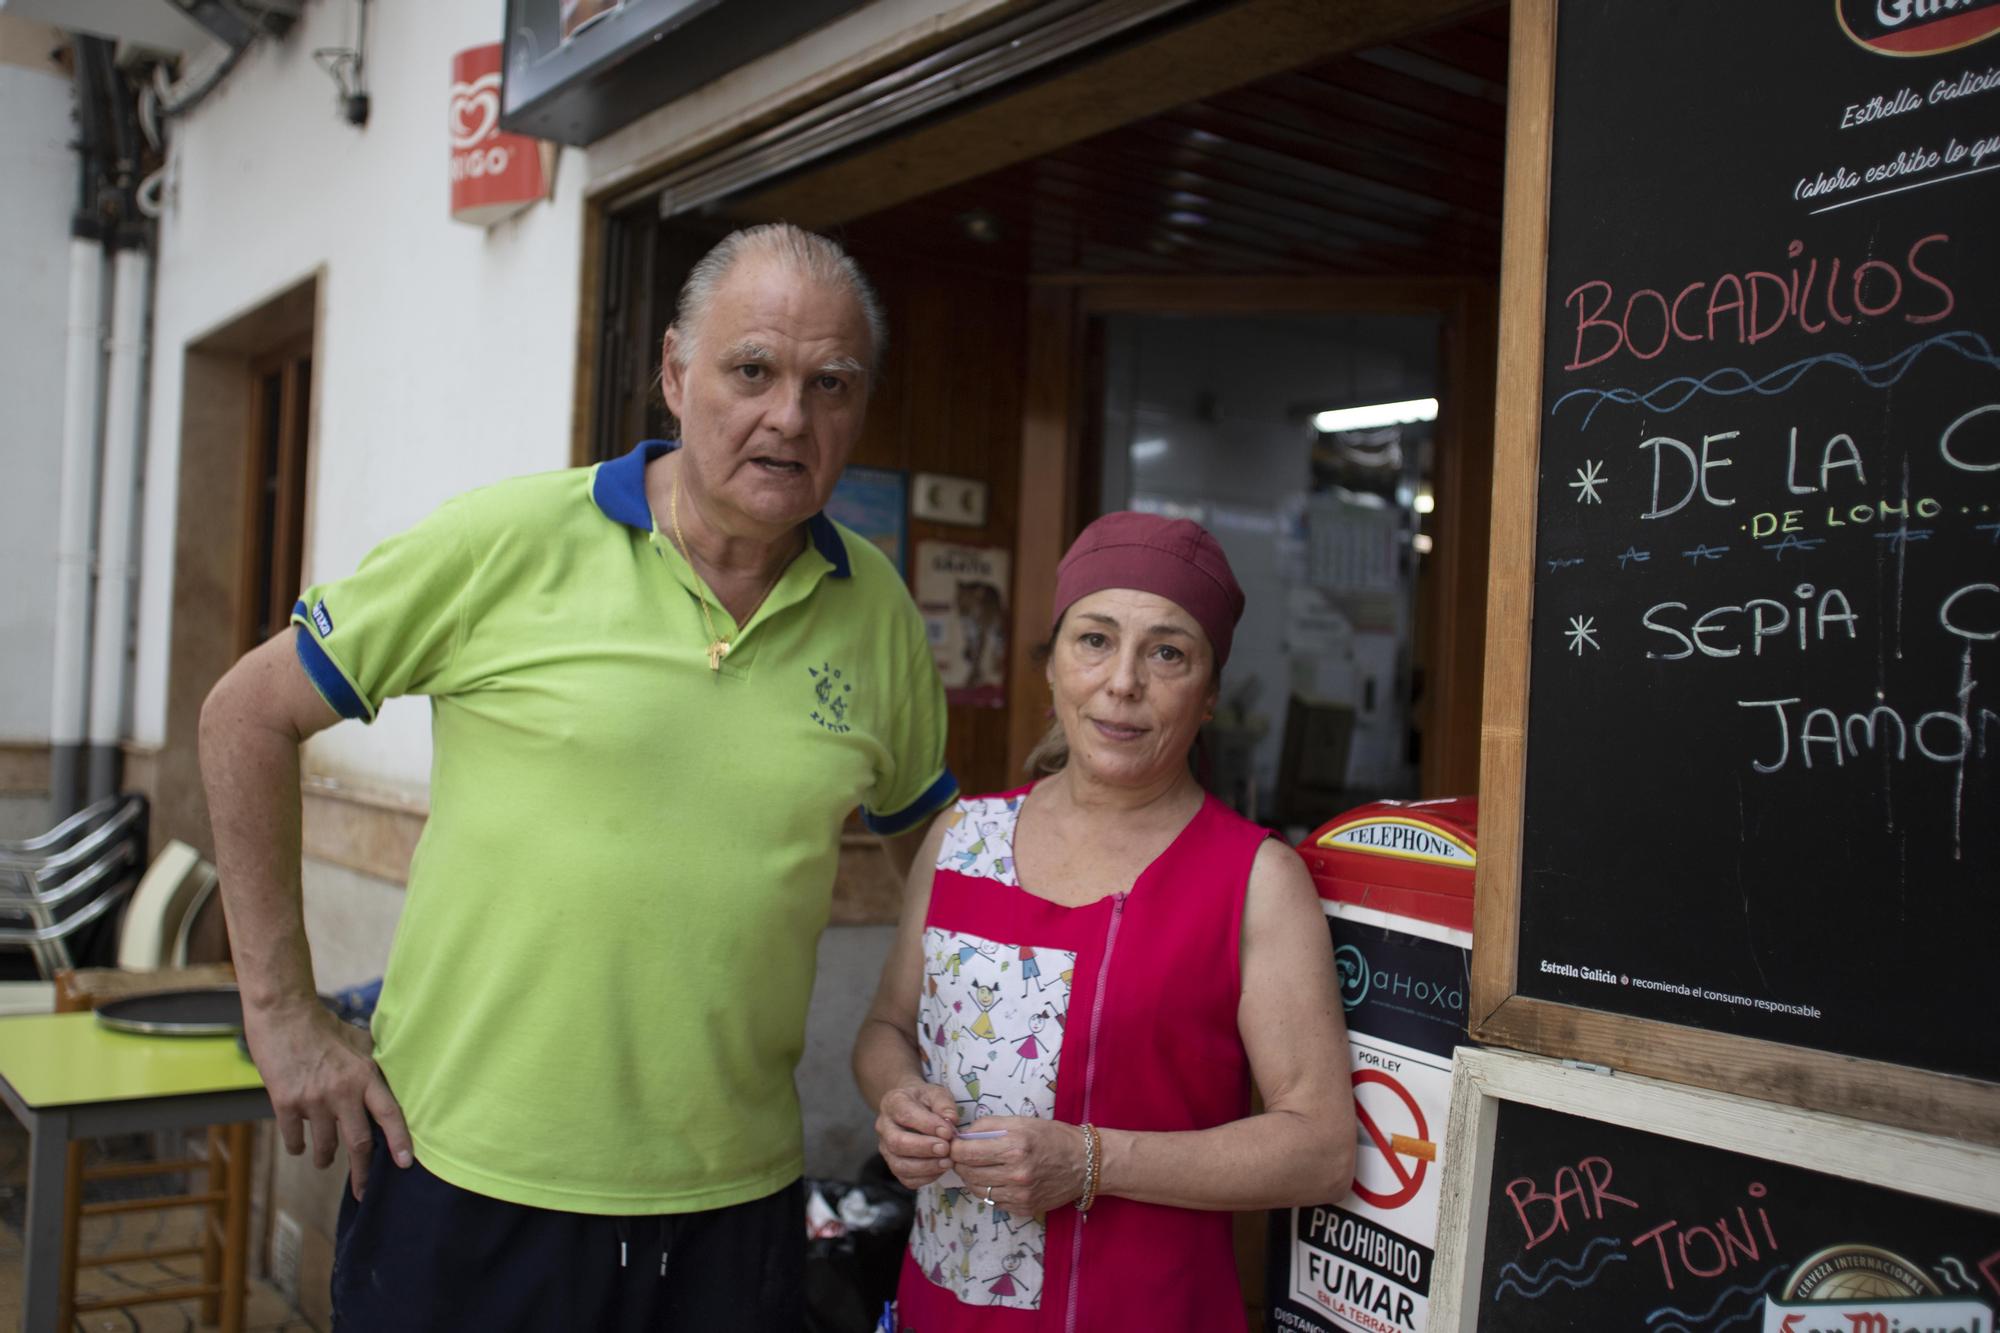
[475, 110]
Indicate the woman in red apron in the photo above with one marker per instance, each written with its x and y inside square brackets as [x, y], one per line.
[1090, 975]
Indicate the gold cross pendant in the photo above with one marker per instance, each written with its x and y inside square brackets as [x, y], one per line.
[717, 650]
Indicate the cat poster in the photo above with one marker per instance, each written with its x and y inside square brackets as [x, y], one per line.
[962, 591]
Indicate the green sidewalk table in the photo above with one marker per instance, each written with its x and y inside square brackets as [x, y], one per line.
[68, 1077]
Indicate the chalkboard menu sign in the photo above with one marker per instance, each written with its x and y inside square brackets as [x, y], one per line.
[1592, 1226]
[1762, 753]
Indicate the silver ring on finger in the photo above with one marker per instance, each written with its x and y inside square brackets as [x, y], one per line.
[987, 1202]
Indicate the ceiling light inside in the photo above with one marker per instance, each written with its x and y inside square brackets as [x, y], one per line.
[1376, 414]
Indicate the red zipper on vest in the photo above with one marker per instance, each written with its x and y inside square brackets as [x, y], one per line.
[1090, 1077]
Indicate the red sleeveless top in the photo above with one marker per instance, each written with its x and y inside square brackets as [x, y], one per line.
[1122, 1013]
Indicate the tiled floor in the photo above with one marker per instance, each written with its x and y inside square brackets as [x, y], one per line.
[266, 1310]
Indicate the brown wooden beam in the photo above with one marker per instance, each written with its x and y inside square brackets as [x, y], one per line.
[1455, 580]
[1051, 434]
[1205, 57]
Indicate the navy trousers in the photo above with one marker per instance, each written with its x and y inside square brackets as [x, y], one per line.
[418, 1255]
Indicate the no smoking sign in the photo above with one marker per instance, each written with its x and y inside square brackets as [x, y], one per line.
[1382, 1115]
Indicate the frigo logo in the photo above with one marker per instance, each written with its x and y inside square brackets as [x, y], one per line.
[475, 111]
[1917, 27]
[1359, 979]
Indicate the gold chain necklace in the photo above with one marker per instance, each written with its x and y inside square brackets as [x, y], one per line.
[718, 647]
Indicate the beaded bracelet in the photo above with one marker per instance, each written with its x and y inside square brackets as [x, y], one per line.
[1093, 1166]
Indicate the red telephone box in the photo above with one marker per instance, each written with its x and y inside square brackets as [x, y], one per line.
[1395, 882]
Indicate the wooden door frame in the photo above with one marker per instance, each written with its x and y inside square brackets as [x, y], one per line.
[1053, 459]
[294, 461]
[1872, 1090]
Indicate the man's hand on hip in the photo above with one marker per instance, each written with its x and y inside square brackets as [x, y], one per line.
[321, 1073]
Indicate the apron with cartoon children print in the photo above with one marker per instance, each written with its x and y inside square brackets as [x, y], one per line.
[1123, 1009]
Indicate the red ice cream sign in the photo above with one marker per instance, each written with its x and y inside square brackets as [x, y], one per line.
[494, 175]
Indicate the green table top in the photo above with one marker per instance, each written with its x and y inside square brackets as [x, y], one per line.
[72, 1059]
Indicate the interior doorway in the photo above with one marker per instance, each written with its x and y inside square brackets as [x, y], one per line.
[1306, 445]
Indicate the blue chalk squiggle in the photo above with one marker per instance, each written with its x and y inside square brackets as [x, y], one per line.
[1541, 1287]
[1730, 381]
[1567, 1265]
[1746, 1290]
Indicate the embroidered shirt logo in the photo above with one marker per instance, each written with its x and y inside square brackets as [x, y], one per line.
[321, 618]
[835, 696]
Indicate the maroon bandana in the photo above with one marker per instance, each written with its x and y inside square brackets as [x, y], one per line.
[1174, 558]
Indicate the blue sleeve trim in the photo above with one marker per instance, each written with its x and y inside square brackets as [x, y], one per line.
[935, 798]
[325, 676]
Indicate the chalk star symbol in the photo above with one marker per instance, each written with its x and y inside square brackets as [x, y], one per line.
[1631, 553]
[1902, 537]
[1582, 630]
[1791, 543]
[1588, 478]
[1705, 552]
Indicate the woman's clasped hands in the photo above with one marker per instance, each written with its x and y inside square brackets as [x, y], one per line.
[915, 1126]
[1020, 1164]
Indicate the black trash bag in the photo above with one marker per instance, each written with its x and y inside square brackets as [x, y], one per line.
[850, 1277]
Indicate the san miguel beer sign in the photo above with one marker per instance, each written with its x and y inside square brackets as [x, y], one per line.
[1918, 27]
[494, 175]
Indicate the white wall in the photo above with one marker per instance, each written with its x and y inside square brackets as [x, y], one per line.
[446, 354]
[38, 175]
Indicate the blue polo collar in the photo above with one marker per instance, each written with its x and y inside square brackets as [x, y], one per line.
[619, 488]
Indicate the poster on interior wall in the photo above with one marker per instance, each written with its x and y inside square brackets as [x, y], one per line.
[875, 503]
[962, 591]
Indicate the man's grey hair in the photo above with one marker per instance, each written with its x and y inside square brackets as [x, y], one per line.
[804, 253]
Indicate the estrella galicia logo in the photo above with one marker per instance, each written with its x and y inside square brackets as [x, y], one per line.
[1352, 965]
[1917, 27]
[834, 694]
[321, 618]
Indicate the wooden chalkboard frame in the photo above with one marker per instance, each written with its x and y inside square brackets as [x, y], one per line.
[1871, 1090]
[1939, 1169]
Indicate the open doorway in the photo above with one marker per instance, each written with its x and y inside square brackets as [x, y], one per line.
[1331, 173]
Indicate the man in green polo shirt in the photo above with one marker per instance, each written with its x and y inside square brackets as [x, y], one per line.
[658, 688]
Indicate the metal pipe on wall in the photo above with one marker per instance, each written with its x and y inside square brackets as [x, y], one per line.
[117, 572]
[83, 384]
